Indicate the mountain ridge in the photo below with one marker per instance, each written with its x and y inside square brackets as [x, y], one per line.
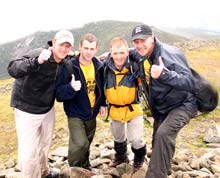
[104, 30]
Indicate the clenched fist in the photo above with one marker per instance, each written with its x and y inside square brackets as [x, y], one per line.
[76, 84]
[44, 55]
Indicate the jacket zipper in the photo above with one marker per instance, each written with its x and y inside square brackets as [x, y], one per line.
[57, 69]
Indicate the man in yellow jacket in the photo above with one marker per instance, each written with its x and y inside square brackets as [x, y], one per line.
[125, 109]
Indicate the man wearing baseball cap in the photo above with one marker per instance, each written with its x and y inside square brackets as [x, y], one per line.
[33, 102]
[168, 85]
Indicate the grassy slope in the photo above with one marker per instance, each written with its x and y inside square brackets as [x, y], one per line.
[206, 60]
[7, 126]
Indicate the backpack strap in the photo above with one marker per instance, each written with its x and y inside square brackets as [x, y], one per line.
[69, 65]
[145, 85]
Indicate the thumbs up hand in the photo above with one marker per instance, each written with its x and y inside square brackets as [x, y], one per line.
[44, 55]
[157, 69]
[76, 84]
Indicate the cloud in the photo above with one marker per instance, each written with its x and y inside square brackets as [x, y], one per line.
[23, 17]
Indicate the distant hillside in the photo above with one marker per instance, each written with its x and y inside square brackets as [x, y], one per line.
[104, 30]
[193, 33]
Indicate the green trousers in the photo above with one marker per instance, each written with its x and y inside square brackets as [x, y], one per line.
[81, 134]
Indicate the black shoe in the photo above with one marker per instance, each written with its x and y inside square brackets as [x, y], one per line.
[87, 165]
[137, 165]
[53, 174]
[169, 172]
[88, 168]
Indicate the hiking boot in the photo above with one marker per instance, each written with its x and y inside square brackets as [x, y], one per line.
[137, 165]
[120, 153]
[139, 156]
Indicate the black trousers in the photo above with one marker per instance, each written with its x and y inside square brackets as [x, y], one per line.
[164, 141]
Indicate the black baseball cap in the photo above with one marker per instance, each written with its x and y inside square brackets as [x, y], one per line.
[141, 32]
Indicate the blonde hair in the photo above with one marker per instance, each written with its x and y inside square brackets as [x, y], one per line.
[118, 42]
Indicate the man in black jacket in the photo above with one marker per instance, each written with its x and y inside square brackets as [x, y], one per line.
[33, 99]
[168, 86]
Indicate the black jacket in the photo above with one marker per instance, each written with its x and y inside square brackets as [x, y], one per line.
[174, 88]
[34, 87]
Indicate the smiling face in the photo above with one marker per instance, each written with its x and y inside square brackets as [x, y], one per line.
[60, 50]
[144, 46]
[119, 52]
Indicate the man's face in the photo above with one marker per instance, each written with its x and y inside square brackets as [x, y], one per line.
[119, 55]
[88, 50]
[144, 46]
[61, 50]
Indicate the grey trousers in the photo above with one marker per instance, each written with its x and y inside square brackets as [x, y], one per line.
[81, 134]
[133, 130]
[164, 141]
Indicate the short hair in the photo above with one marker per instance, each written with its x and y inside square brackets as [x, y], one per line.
[119, 41]
[90, 38]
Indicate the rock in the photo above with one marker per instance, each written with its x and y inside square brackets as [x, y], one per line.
[73, 172]
[215, 168]
[14, 175]
[194, 164]
[99, 161]
[213, 135]
[60, 151]
[10, 164]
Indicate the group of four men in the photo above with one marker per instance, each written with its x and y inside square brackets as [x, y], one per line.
[43, 75]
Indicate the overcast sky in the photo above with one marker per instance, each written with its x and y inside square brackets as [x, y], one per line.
[20, 18]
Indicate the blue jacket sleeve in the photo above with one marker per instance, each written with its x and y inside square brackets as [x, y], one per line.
[64, 90]
[177, 74]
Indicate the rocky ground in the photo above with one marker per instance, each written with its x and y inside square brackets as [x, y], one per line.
[197, 154]
[197, 149]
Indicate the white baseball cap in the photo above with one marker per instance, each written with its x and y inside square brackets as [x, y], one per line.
[63, 36]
